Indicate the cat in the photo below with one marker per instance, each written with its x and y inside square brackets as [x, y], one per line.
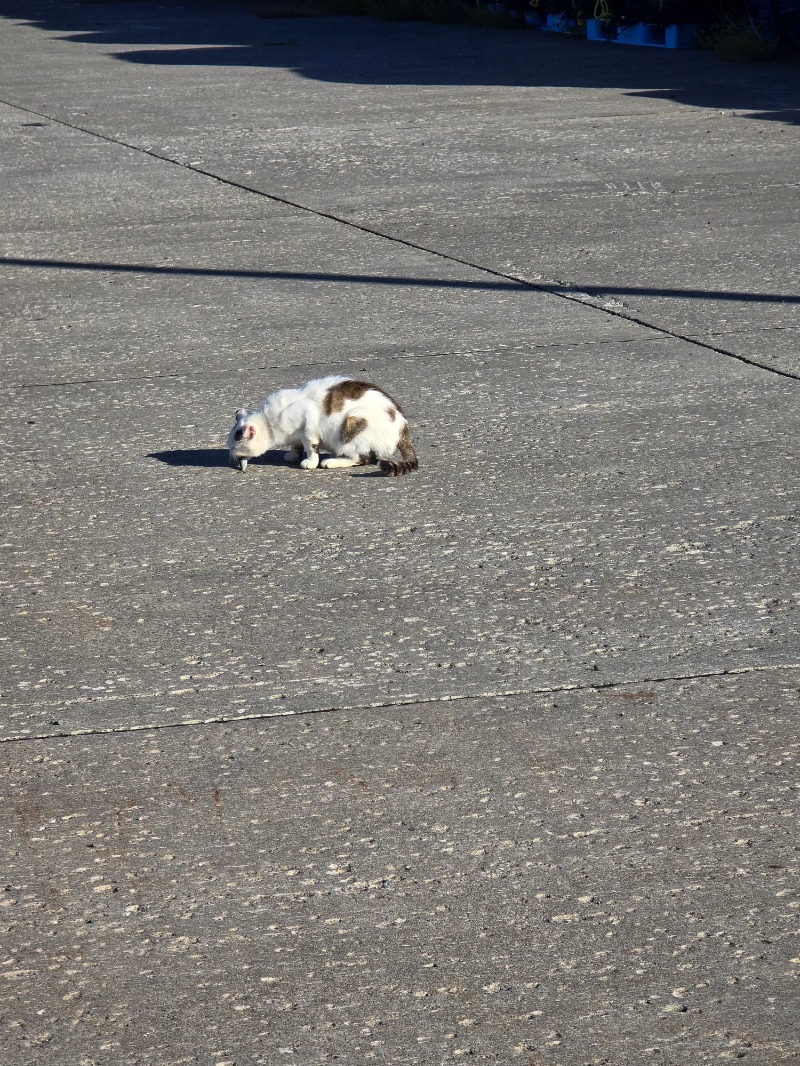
[356, 422]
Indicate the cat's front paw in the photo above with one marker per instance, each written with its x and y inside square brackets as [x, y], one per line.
[291, 457]
[311, 463]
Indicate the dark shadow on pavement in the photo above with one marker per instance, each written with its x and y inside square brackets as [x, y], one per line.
[366, 51]
[193, 457]
[218, 457]
[430, 283]
[263, 275]
[212, 457]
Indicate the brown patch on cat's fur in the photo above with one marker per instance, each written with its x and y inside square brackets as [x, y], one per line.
[337, 395]
[392, 414]
[353, 425]
[407, 454]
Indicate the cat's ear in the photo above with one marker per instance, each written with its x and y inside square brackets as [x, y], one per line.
[249, 432]
[241, 413]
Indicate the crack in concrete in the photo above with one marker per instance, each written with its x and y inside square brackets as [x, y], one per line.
[552, 288]
[411, 700]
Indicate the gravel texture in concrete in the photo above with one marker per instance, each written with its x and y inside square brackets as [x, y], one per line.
[588, 877]
[493, 763]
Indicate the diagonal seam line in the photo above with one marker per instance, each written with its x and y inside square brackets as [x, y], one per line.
[550, 287]
[405, 701]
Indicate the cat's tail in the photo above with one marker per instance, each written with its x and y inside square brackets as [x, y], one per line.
[408, 457]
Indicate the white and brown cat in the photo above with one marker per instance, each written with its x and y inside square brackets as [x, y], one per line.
[357, 423]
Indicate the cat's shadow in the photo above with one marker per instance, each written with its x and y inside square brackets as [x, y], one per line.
[210, 457]
[218, 457]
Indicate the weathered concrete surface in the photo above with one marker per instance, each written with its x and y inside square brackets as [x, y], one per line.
[550, 816]
[562, 530]
[597, 877]
[666, 183]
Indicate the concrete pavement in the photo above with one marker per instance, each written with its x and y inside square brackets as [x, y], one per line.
[491, 763]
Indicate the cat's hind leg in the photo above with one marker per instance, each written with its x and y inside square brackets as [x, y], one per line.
[349, 453]
[339, 462]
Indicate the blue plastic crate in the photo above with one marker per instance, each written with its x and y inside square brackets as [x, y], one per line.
[560, 24]
[646, 34]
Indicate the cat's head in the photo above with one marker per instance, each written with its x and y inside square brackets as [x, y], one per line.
[248, 438]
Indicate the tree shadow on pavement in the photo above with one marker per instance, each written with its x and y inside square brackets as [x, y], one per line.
[363, 52]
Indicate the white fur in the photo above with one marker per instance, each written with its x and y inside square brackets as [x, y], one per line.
[295, 420]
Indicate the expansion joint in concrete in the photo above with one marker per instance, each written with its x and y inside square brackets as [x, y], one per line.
[550, 287]
[412, 700]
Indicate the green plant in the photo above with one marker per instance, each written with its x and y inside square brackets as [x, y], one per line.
[444, 11]
[621, 13]
[614, 16]
[407, 10]
[500, 19]
[342, 7]
[282, 9]
[742, 42]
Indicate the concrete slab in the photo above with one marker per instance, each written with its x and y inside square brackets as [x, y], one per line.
[61, 184]
[548, 816]
[558, 529]
[229, 280]
[778, 348]
[230, 295]
[665, 183]
[581, 878]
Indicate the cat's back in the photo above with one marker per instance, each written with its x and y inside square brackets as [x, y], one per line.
[325, 404]
[343, 395]
[333, 398]
[316, 390]
[313, 393]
